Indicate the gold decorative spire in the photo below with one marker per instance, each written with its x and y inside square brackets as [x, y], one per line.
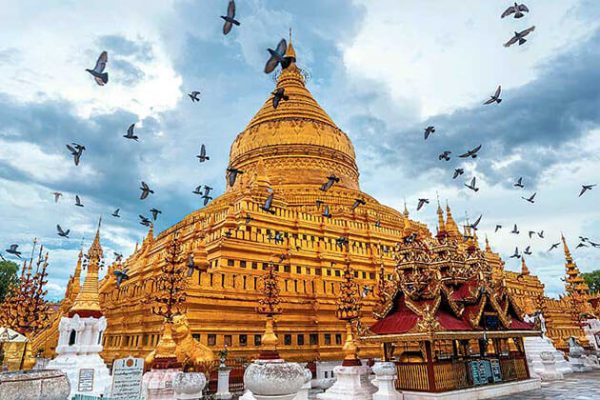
[524, 269]
[488, 248]
[87, 302]
[575, 284]
[269, 305]
[290, 52]
[441, 224]
[451, 226]
[348, 309]
[406, 214]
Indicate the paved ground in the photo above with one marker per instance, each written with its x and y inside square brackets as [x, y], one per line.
[584, 386]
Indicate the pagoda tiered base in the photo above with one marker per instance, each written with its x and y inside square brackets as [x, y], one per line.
[478, 393]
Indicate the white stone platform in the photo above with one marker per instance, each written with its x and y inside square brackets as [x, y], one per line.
[535, 346]
[477, 393]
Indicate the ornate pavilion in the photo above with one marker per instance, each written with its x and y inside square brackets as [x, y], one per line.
[290, 152]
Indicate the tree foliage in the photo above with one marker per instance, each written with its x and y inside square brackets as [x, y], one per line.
[8, 277]
[593, 280]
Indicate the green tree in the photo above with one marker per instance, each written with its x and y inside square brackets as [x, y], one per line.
[593, 280]
[8, 276]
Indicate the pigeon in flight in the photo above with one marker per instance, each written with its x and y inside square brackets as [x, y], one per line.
[473, 185]
[129, 134]
[474, 225]
[378, 224]
[458, 172]
[445, 155]
[554, 246]
[530, 198]
[78, 202]
[98, 73]
[421, 203]
[278, 95]
[76, 151]
[194, 96]
[471, 153]
[495, 98]
[191, 265]
[519, 37]
[409, 239]
[517, 9]
[319, 203]
[358, 202]
[528, 251]
[326, 212]
[277, 57]
[531, 233]
[594, 244]
[206, 198]
[207, 190]
[155, 213]
[202, 156]
[515, 230]
[541, 234]
[121, 276]
[13, 249]
[144, 221]
[581, 245]
[118, 256]
[585, 188]
[232, 174]
[498, 227]
[116, 213]
[267, 206]
[330, 181]
[341, 241]
[519, 183]
[62, 233]
[584, 239]
[229, 18]
[145, 191]
[57, 195]
[516, 254]
[248, 219]
[198, 190]
[428, 131]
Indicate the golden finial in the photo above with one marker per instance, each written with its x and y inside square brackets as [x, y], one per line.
[348, 309]
[269, 305]
[524, 269]
[290, 52]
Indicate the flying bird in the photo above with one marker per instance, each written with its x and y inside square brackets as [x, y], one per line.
[76, 151]
[541, 234]
[194, 96]
[319, 203]
[517, 9]
[515, 230]
[519, 183]
[118, 256]
[326, 212]
[531, 233]
[581, 245]
[129, 134]
[528, 251]
[278, 95]
[206, 198]
[516, 254]
[473, 185]
[498, 227]
[330, 181]
[428, 131]
[191, 265]
[554, 246]
[116, 213]
[207, 190]
[341, 241]
[378, 224]
[474, 225]
[458, 172]
[13, 249]
[248, 219]
[530, 198]
[202, 156]
[98, 73]
[121, 276]
[596, 245]
[471, 153]
[229, 18]
[358, 202]
[232, 174]
[267, 206]
[495, 98]
[277, 57]
[78, 202]
[144, 221]
[585, 188]
[519, 37]
[57, 195]
[410, 238]
[145, 191]
[62, 233]
[198, 190]
[155, 213]
[421, 203]
[445, 155]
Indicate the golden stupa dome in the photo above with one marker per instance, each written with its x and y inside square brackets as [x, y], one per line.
[297, 143]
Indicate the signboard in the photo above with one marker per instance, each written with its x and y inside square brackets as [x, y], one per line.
[474, 370]
[127, 378]
[496, 371]
[485, 371]
[86, 380]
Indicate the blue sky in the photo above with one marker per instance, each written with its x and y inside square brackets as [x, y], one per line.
[383, 70]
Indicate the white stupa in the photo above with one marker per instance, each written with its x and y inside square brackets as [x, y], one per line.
[80, 334]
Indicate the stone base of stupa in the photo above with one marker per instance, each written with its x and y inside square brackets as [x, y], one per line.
[87, 374]
[535, 346]
[352, 384]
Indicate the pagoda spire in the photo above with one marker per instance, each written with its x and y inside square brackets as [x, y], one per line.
[87, 302]
[575, 284]
[451, 226]
[290, 52]
[405, 209]
[440, 214]
[524, 269]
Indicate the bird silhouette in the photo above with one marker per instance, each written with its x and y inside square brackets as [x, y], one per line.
[116, 213]
[121, 275]
[206, 198]
[527, 250]
[277, 57]
[191, 265]
[515, 230]
[207, 190]
[118, 256]
[581, 245]
[278, 96]
[498, 227]
[229, 18]
[341, 241]
[129, 134]
[554, 246]
[358, 202]
[519, 183]
[517, 10]
[198, 190]
[445, 155]
[194, 96]
[319, 203]
[495, 98]
[541, 234]
[155, 213]
[473, 185]
[516, 253]
[78, 202]
[330, 181]
[474, 224]
[14, 250]
[428, 131]
[530, 198]
[98, 73]
[202, 156]
[458, 172]
[145, 191]
[471, 153]
[531, 233]
[57, 195]
[267, 206]
[76, 151]
[61, 232]
[326, 212]
[144, 221]
[421, 203]
[232, 174]
[519, 37]
[585, 188]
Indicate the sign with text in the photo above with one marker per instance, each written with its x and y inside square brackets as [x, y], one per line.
[127, 378]
[86, 380]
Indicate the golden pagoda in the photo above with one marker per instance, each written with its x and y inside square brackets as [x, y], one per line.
[290, 152]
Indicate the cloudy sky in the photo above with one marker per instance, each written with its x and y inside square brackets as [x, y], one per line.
[383, 70]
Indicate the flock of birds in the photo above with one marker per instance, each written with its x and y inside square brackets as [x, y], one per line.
[276, 58]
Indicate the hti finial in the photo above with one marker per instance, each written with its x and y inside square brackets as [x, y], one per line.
[290, 34]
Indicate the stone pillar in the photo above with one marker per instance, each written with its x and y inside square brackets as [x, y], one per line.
[349, 385]
[223, 384]
[386, 374]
